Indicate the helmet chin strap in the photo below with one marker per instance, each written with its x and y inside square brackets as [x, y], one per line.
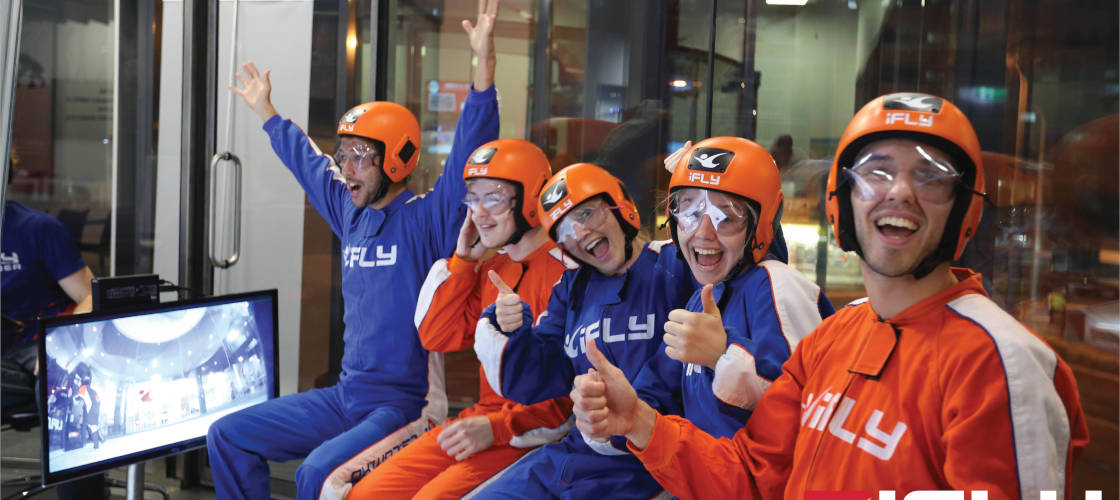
[628, 232]
[747, 259]
[382, 188]
[928, 264]
[521, 226]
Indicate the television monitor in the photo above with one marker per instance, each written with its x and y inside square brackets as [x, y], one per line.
[120, 387]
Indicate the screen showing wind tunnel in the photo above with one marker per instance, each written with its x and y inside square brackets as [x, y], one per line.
[132, 386]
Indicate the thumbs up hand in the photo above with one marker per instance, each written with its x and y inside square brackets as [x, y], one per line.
[508, 307]
[696, 337]
[603, 401]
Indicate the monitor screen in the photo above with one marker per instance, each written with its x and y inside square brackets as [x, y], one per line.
[119, 387]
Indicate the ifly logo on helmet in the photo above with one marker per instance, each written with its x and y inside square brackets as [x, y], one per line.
[481, 156]
[346, 124]
[553, 194]
[710, 160]
[909, 119]
[706, 165]
[902, 105]
[913, 102]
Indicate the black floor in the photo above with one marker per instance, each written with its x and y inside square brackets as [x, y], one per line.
[19, 457]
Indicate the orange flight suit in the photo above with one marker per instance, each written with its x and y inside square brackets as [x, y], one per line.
[450, 303]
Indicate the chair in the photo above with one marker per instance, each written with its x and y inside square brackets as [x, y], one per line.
[75, 222]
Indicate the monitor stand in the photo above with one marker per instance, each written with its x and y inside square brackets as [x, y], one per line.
[134, 488]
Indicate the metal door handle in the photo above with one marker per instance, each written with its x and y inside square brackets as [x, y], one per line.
[232, 259]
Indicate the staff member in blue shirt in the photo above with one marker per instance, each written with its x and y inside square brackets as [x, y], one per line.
[41, 274]
[390, 389]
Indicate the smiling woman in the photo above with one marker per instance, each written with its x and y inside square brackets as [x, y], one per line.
[573, 206]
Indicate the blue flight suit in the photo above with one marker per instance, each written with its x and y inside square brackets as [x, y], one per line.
[766, 311]
[390, 389]
[625, 315]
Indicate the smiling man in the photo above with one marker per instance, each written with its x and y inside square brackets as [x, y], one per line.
[926, 385]
[391, 389]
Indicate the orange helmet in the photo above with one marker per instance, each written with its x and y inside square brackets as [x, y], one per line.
[922, 118]
[391, 124]
[740, 167]
[513, 160]
[580, 182]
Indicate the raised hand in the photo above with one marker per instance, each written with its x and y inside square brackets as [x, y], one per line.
[481, 36]
[462, 438]
[469, 246]
[696, 337]
[257, 90]
[672, 160]
[603, 401]
[508, 306]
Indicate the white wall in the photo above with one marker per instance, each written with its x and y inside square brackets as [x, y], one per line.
[275, 34]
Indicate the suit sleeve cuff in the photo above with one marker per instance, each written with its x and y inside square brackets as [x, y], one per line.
[480, 96]
[736, 381]
[272, 122]
[460, 266]
[663, 444]
[502, 432]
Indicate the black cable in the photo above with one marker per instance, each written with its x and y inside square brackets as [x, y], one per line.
[167, 286]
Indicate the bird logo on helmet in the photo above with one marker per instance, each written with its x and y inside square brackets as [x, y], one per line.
[580, 182]
[922, 118]
[519, 162]
[391, 125]
[741, 168]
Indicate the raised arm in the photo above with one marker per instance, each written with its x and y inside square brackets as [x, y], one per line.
[478, 124]
[294, 148]
[481, 36]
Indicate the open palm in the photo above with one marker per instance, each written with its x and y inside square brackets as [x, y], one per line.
[481, 33]
[257, 90]
[481, 36]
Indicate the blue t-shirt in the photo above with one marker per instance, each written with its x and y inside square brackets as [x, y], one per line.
[36, 252]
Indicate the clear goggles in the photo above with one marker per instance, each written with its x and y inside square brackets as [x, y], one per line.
[730, 214]
[361, 156]
[931, 180]
[495, 202]
[583, 218]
